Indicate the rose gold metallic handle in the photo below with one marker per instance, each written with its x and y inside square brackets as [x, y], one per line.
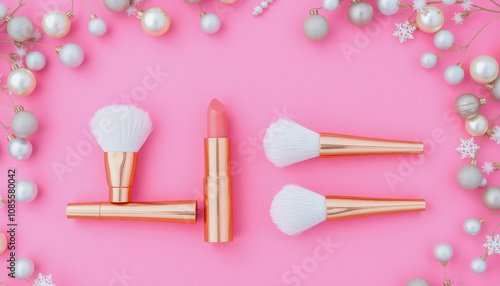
[334, 145]
[120, 173]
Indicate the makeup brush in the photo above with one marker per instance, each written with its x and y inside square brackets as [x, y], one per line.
[295, 209]
[120, 130]
[287, 143]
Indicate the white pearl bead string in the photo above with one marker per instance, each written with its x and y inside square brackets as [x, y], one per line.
[257, 10]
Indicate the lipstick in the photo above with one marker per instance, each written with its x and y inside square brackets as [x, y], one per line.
[218, 189]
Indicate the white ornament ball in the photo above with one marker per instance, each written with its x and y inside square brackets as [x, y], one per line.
[97, 27]
[117, 6]
[417, 282]
[330, 5]
[155, 22]
[477, 125]
[491, 198]
[428, 60]
[454, 75]
[71, 55]
[449, 2]
[21, 81]
[388, 7]
[430, 20]
[478, 265]
[360, 13]
[20, 148]
[315, 27]
[472, 226]
[443, 252]
[469, 177]
[35, 61]
[20, 29]
[495, 88]
[3, 11]
[264, 4]
[444, 40]
[484, 69]
[24, 268]
[26, 191]
[210, 23]
[56, 24]
[24, 123]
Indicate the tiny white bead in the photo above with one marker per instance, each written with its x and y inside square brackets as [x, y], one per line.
[269, 1]
[264, 4]
[258, 9]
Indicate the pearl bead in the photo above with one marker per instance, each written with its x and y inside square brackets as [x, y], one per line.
[231, 1]
[430, 20]
[97, 26]
[388, 7]
[484, 69]
[444, 40]
[155, 22]
[71, 55]
[449, 2]
[20, 28]
[24, 123]
[472, 226]
[417, 282]
[21, 81]
[117, 6]
[264, 4]
[3, 243]
[443, 252]
[35, 61]
[360, 13]
[469, 177]
[258, 10]
[24, 268]
[491, 198]
[20, 148]
[330, 5]
[467, 105]
[495, 88]
[478, 265]
[210, 23]
[454, 75]
[26, 191]
[315, 27]
[192, 1]
[56, 24]
[3, 11]
[477, 125]
[428, 60]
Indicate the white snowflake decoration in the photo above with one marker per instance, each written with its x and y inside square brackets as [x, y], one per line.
[19, 63]
[43, 280]
[492, 244]
[488, 167]
[418, 5]
[36, 35]
[131, 10]
[496, 134]
[21, 51]
[458, 19]
[467, 148]
[466, 5]
[404, 31]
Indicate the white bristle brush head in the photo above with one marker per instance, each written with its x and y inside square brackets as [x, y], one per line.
[287, 143]
[295, 209]
[121, 128]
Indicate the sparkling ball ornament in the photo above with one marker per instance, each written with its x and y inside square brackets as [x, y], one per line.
[21, 81]
[443, 252]
[24, 123]
[71, 55]
[430, 20]
[97, 26]
[24, 268]
[444, 40]
[330, 5]
[454, 74]
[477, 125]
[472, 226]
[388, 7]
[469, 177]
[210, 23]
[233, 1]
[478, 265]
[35, 61]
[56, 23]
[117, 6]
[467, 105]
[3, 11]
[315, 27]
[449, 2]
[495, 88]
[417, 282]
[155, 21]
[484, 69]
[20, 148]
[3, 242]
[491, 198]
[428, 60]
[19, 28]
[26, 191]
[192, 1]
[360, 13]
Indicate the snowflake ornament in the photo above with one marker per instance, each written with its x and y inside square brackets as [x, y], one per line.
[495, 136]
[466, 5]
[418, 5]
[21, 51]
[404, 31]
[488, 167]
[43, 280]
[131, 10]
[467, 148]
[19, 63]
[36, 35]
[492, 244]
[458, 19]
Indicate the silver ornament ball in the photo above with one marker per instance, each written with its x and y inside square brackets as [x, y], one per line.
[360, 13]
[469, 177]
[71, 55]
[192, 1]
[444, 40]
[330, 5]
[449, 2]
[210, 23]
[20, 148]
[26, 191]
[20, 28]
[428, 60]
[21, 81]
[117, 6]
[315, 27]
[491, 198]
[155, 22]
[484, 69]
[24, 123]
[454, 74]
[35, 61]
[97, 26]
[478, 265]
[467, 105]
[472, 226]
[56, 24]
[443, 252]
[3, 11]
[417, 282]
[388, 7]
[495, 88]
[24, 268]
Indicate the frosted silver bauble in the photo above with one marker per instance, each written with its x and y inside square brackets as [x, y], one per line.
[24, 123]
[20, 28]
[315, 27]
[330, 5]
[35, 61]
[417, 282]
[97, 26]
[26, 191]
[3, 11]
[478, 265]
[117, 6]
[192, 1]
[388, 7]
[467, 105]
[472, 226]
[24, 268]
[210, 23]
[491, 198]
[444, 40]
[428, 60]
[469, 177]
[20, 148]
[495, 88]
[443, 252]
[360, 13]
[71, 55]
[454, 74]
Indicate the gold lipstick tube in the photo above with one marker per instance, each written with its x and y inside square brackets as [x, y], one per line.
[338, 208]
[218, 190]
[173, 211]
[334, 145]
[120, 173]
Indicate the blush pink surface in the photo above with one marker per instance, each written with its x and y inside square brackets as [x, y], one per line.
[260, 68]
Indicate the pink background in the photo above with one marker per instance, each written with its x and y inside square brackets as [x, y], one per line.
[260, 68]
